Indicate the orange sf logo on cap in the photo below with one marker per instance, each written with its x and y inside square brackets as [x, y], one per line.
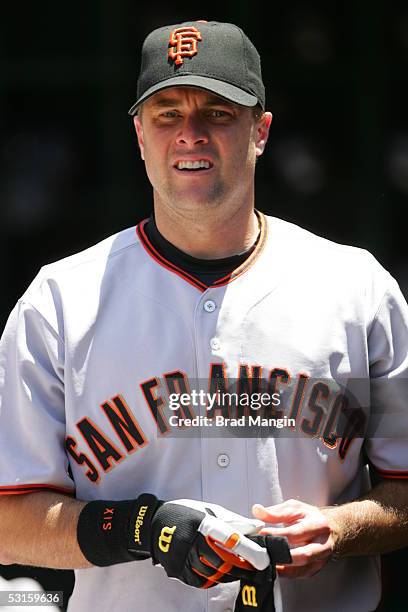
[183, 43]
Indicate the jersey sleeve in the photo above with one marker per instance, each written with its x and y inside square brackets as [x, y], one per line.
[387, 444]
[32, 419]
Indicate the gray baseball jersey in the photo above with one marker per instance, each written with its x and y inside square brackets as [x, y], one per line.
[100, 339]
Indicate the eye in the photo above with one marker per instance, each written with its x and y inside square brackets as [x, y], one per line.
[169, 114]
[217, 113]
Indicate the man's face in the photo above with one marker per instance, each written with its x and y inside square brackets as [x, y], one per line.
[200, 150]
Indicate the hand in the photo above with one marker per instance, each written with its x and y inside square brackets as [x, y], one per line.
[203, 544]
[309, 532]
[199, 543]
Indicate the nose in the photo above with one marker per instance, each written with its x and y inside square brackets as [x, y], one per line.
[192, 131]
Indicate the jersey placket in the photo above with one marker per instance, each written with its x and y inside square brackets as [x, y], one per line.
[223, 459]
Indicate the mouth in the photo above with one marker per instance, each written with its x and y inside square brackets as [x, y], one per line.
[193, 167]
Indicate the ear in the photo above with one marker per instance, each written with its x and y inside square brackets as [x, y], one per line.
[139, 133]
[262, 132]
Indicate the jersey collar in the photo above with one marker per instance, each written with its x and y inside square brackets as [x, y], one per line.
[165, 263]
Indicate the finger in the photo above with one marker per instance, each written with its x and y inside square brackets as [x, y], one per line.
[281, 513]
[281, 531]
[311, 553]
[259, 511]
[292, 539]
[300, 533]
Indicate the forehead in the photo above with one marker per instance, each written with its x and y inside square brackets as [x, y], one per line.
[173, 96]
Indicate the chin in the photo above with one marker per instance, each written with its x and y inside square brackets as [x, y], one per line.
[193, 198]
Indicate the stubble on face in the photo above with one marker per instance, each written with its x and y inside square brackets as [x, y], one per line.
[229, 146]
[189, 201]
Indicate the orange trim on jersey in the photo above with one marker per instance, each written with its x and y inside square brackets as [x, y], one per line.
[165, 262]
[33, 488]
[392, 474]
[248, 263]
[160, 259]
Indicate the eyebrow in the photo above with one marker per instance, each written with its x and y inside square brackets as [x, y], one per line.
[165, 102]
[210, 101]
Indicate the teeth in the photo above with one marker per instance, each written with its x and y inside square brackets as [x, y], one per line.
[193, 165]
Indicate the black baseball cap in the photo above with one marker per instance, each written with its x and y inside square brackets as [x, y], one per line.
[210, 55]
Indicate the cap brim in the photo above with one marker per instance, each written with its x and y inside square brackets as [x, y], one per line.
[222, 89]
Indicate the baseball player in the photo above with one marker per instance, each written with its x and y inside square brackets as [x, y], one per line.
[92, 473]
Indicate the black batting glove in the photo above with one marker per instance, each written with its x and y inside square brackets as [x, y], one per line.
[201, 544]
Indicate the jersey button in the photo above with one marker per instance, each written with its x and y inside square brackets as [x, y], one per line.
[210, 306]
[215, 344]
[223, 460]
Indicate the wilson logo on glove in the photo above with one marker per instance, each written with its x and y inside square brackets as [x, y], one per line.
[139, 523]
[248, 595]
[166, 536]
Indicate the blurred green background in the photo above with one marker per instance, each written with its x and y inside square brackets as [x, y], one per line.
[337, 160]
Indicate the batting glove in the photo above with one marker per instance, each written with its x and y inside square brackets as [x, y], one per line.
[199, 543]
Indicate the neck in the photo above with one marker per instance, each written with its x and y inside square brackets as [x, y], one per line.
[207, 237]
